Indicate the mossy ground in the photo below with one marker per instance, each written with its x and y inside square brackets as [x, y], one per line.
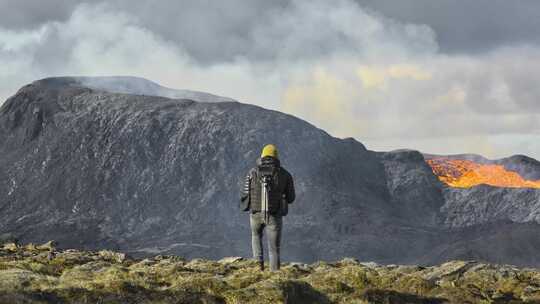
[40, 274]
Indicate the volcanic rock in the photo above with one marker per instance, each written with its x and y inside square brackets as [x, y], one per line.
[97, 169]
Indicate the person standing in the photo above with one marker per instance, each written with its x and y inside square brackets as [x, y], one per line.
[267, 191]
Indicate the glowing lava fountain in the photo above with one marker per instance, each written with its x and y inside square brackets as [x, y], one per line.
[465, 174]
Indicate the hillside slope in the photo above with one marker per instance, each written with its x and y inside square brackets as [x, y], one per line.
[148, 175]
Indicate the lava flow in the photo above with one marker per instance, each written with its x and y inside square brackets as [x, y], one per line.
[465, 174]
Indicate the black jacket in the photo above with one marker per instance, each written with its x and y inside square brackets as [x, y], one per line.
[283, 188]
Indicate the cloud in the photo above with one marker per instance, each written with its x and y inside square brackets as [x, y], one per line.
[27, 14]
[426, 101]
[378, 78]
[341, 66]
[467, 27]
[215, 31]
[325, 100]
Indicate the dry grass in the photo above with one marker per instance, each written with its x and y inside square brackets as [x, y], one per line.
[40, 274]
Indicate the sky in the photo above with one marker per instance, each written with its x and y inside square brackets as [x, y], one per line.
[439, 76]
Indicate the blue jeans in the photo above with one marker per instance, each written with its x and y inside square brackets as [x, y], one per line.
[273, 234]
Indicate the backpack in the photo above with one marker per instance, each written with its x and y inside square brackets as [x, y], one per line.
[268, 175]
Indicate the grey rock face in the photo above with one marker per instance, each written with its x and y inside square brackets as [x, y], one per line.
[484, 204]
[153, 175]
[415, 191]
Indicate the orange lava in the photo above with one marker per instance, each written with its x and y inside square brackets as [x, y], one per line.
[465, 174]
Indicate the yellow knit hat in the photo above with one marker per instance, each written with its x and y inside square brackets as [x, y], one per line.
[269, 150]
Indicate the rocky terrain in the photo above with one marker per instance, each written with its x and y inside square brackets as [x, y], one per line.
[42, 274]
[102, 163]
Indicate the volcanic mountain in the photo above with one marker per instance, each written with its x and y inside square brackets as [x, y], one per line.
[125, 164]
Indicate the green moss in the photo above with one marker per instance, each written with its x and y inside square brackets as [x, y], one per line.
[40, 274]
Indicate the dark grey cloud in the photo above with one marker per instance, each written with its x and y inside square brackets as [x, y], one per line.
[468, 26]
[219, 31]
[213, 32]
[210, 31]
[224, 29]
[27, 14]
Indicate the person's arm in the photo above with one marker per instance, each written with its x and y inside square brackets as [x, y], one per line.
[244, 195]
[291, 195]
